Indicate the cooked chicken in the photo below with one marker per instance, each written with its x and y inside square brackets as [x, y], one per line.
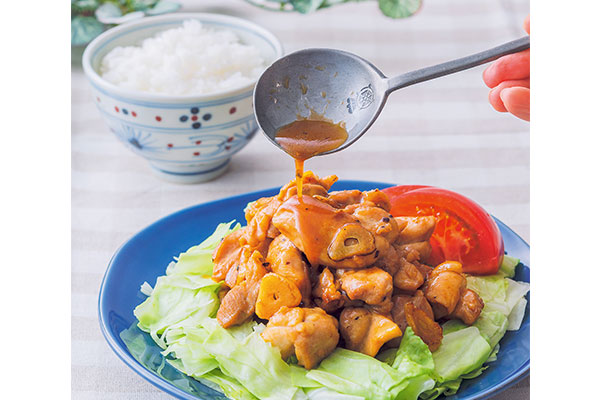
[399, 301]
[345, 198]
[227, 255]
[286, 260]
[444, 287]
[259, 225]
[366, 331]
[312, 185]
[310, 333]
[416, 229]
[237, 306]
[468, 308]
[376, 198]
[372, 285]
[408, 278]
[373, 270]
[388, 259]
[326, 293]
[378, 221]
[423, 326]
[417, 251]
[327, 236]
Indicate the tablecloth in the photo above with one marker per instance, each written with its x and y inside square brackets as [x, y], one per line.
[441, 133]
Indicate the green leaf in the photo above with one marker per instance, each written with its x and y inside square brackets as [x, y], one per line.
[84, 29]
[357, 374]
[306, 6]
[82, 6]
[508, 266]
[163, 7]
[399, 8]
[461, 352]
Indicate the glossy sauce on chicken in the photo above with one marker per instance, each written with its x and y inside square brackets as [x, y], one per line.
[337, 266]
[312, 224]
[307, 138]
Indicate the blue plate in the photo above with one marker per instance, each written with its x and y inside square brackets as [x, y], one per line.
[145, 257]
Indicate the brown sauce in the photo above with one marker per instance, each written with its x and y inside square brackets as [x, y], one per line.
[307, 138]
[316, 223]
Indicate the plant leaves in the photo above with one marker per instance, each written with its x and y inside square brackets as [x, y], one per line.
[84, 29]
[399, 8]
[306, 6]
[108, 11]
[82, 6]
[163, 7]
[140, 5]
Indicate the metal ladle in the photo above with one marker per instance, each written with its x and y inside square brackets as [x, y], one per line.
[344, 87]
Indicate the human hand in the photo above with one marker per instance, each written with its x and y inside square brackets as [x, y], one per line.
[508, 78]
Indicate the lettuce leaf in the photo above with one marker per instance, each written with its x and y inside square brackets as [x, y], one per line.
[492, 325]
[254, 363]
[415, 362]
[186, 294]
[356, 374]
[328, 394]
[508, 266]
[409, 373]
[179, 316]
[461, 352]
[498, 293]
[515, 318]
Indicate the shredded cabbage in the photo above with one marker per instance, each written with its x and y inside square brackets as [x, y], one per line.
[179, 316]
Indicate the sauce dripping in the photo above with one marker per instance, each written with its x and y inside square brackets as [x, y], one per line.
[306, 138]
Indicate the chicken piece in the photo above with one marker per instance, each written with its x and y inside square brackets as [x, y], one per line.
[378, 221]
[399, 301]
[227, 255]
[423, 326]
[388, 260]
[309, 333]
[374, 286]
[327, 236]
[398, 316]
[259, 225]
[237, 306]
[408, 278]
[416, 229]
[275, 292]
[444, 288]
[366, 331]
[417, 251]
[232, 274]
[286, 260]
[425, 269]
[326, 293]
[344, 198]
[468, 308]
[377, 198]
[312, 185]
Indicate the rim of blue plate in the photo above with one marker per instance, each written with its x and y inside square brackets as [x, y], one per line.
[168, 387]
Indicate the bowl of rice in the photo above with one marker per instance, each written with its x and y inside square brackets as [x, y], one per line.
[177, 89]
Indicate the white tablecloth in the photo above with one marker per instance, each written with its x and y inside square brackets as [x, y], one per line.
[441, 133]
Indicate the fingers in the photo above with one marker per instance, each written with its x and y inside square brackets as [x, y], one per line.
[516, 101]
[507, 68]
[494, 95]
[508, 78]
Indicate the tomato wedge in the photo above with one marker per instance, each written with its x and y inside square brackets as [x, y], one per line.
[464, 232]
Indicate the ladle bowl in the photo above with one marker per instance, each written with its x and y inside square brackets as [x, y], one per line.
[343, 87]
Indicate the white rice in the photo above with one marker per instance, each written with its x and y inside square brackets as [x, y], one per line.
[188, 60]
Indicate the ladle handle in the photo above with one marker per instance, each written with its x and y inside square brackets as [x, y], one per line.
[450, 67]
